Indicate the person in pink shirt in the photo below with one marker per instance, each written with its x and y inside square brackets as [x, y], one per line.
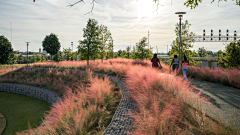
[184, 64]
[155, 60]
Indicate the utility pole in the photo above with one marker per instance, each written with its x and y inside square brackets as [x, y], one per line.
[27, 52]
[72, 46]
[167, 49]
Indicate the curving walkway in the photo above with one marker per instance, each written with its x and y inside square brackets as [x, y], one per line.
[225, 102]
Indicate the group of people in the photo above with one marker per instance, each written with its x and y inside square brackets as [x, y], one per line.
[175, 64]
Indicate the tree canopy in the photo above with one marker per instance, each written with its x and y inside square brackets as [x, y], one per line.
[57, 57]
[6, 50]
[187, 40]
[90, 45]
[141, 52]
[202, 52]
[188, 3]
[106, 38]
[230, 58]
[51, 44]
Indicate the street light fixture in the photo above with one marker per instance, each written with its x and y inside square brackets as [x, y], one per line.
[72, 46]
[180, 16]
[27, 52]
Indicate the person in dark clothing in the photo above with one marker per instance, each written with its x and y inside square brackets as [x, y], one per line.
[175, 64]
[155, 60]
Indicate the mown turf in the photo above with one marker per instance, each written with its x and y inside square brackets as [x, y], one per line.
[20, 110]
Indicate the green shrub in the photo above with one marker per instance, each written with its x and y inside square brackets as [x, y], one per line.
[210, 63]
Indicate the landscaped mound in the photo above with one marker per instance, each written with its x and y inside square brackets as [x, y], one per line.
[87, 106]
[161, 99]
[86, 110]
[3, 123]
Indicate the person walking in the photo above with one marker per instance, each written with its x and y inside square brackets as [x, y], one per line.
[155, 60]
[184, 64]
[175, 64]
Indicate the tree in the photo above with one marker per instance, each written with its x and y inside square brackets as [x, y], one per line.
[38, 58]
[74, 56]
[67, 53]
[32, 59]
[230, 59]
[202, 52]
[5, 50]
[141, 51]
[20, 59]
[57, 57]
[124, 54]
[187, 40]
[43, 58]
[90, 45]
[105, 36]
[195, 54]
[128, 51]
[119, 52]
[194, 3]
[209, 53]
[51, 44]
[189, 3]
[218, 53]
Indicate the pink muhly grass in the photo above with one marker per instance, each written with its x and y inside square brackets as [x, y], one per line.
[159, 98]
[99, 88]
[223, 76]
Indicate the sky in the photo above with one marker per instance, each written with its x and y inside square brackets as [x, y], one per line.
[128, 21]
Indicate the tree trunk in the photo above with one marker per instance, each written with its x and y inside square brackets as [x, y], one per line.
[88, 56]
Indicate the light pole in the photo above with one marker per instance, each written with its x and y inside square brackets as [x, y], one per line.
[167, 49]
[180, 16]
[72, 46]
[27, 52]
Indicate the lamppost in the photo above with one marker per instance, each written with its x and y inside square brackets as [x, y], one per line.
[180, 16]
[167, 49]
[72, 46]
[27, 52]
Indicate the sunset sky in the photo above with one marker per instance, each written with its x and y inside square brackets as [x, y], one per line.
[128, 21]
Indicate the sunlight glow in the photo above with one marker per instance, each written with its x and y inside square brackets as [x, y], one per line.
[146, 8]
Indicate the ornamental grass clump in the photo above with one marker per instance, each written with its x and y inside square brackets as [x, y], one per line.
[51, 79]
[165, 105]
[223, 76]
[87, 110]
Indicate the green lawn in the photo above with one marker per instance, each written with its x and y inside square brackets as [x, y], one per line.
[19, 110]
